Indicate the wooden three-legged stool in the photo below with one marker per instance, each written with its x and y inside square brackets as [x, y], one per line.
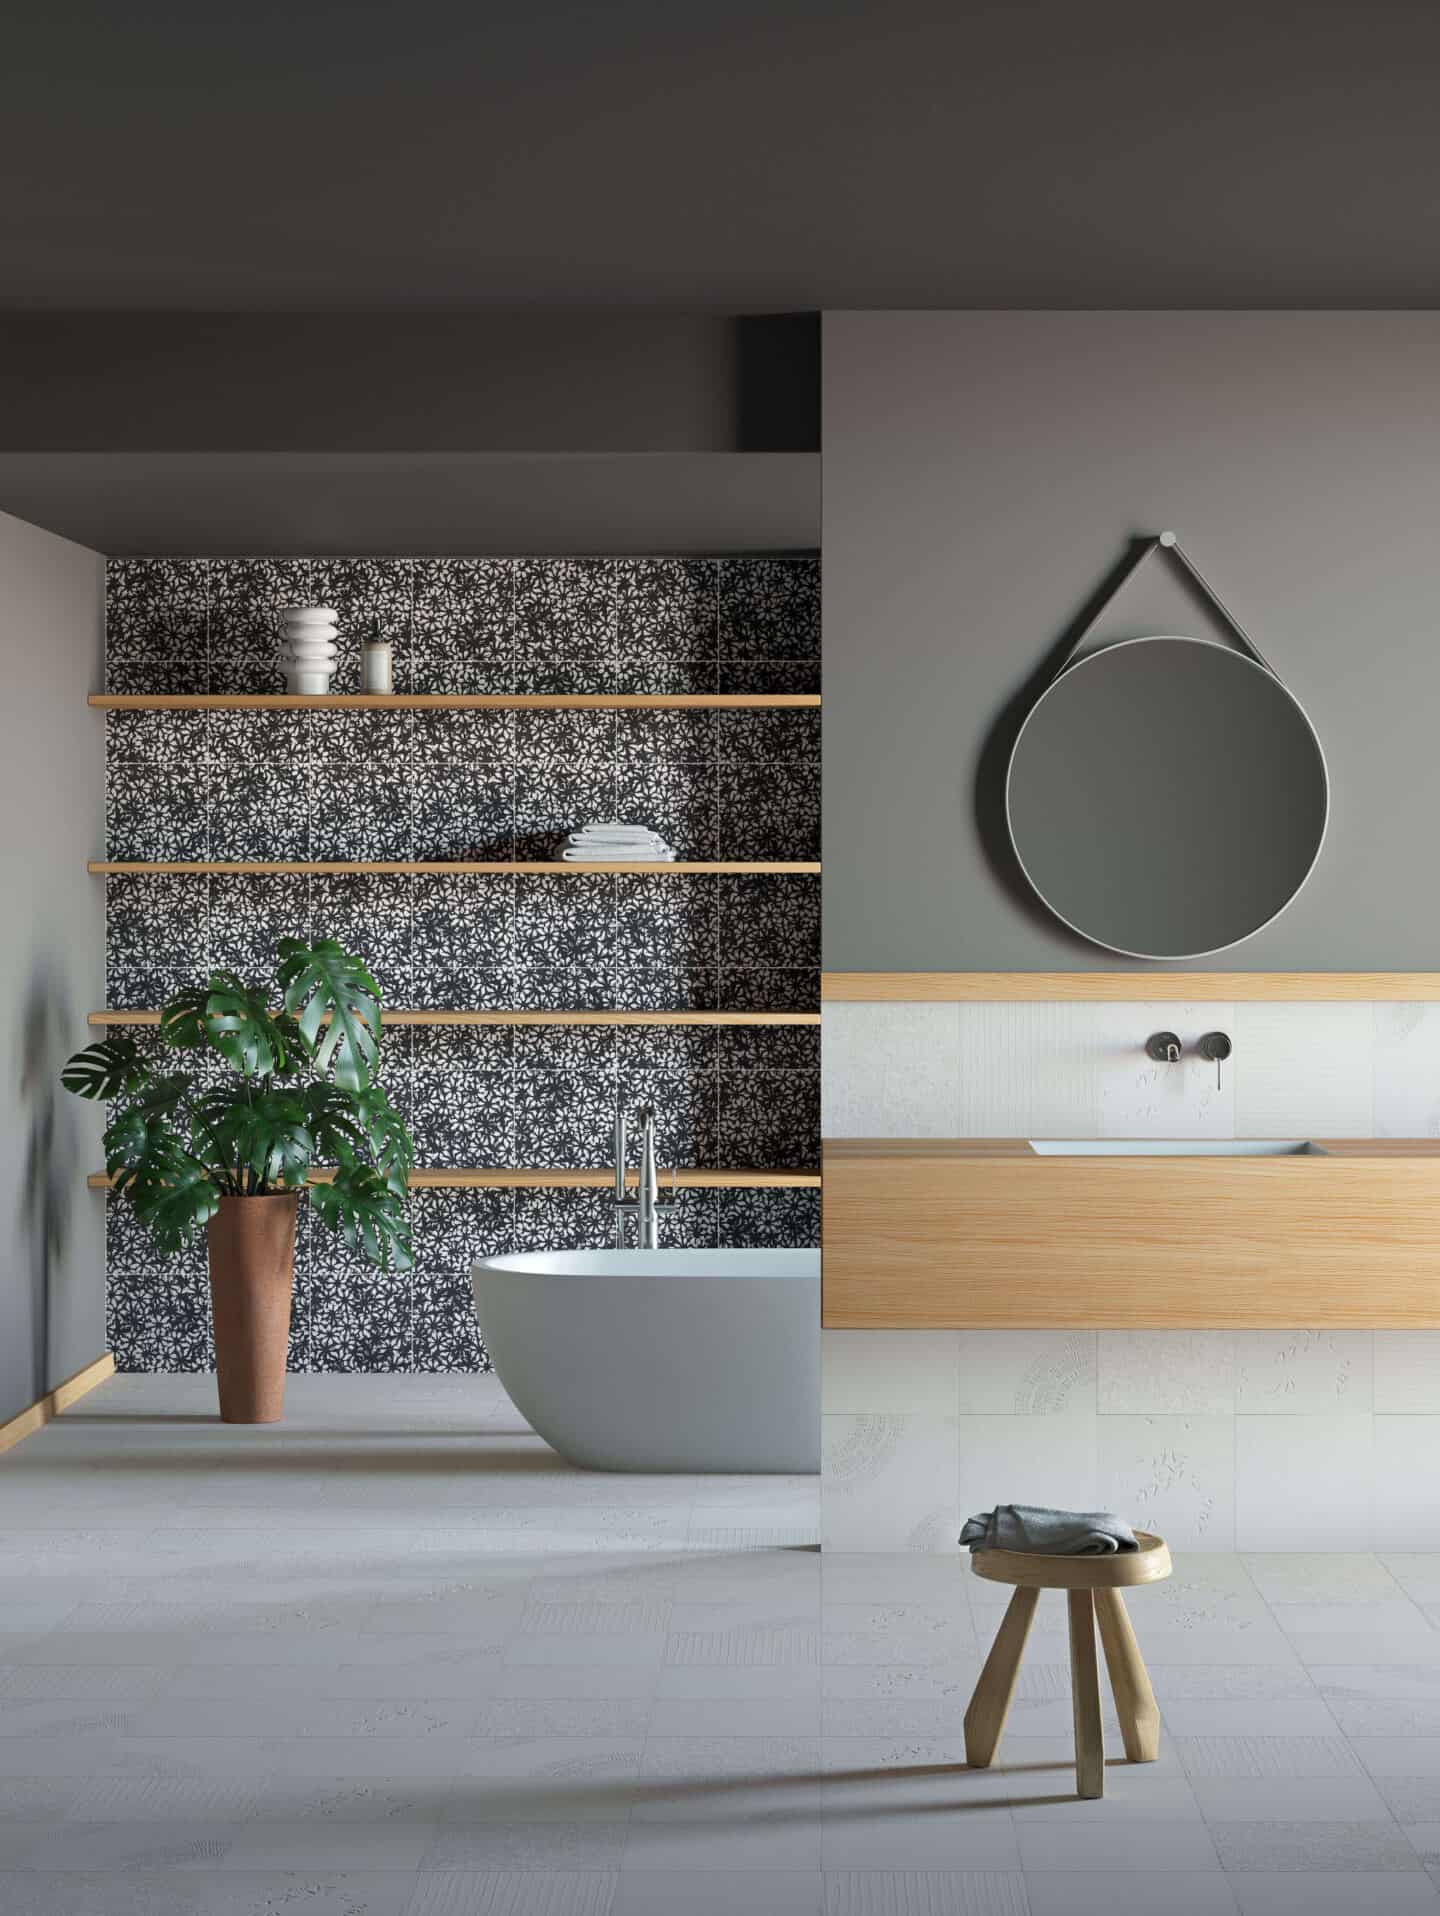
[1092, 1586]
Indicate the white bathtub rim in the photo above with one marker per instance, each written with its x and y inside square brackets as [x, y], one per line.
[750, 1262]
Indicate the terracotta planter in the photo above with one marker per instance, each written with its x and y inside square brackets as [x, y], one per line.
[252, 1268]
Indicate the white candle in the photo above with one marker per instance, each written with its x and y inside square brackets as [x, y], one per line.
[377, 662]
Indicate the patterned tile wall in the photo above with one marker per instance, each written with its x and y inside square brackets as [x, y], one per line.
[483, 785]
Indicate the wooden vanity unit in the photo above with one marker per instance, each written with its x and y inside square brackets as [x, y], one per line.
[958, 1234]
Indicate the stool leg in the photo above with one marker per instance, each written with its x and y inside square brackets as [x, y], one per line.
[1085, 1686]
[990, 1705]
[1134, 1699]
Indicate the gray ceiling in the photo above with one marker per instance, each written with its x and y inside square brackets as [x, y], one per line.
[750, 155]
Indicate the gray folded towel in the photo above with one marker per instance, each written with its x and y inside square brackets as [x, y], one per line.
[1051, 1533]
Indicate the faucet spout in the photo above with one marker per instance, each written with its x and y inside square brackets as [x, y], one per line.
[649, 1182]
[646, 1205]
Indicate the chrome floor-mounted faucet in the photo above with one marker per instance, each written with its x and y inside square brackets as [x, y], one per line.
[647, 1204]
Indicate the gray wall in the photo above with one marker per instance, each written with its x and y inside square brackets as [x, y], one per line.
[983, 472]
[52, 942]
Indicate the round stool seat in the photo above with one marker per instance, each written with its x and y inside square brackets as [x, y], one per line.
[1117, 1570]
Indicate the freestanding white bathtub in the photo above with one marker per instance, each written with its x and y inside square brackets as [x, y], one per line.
[661, 1360]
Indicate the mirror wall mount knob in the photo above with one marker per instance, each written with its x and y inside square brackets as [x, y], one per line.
[1164, 1047]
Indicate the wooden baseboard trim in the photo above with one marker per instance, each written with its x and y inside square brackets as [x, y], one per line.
[1141, 987]
[37, 1415]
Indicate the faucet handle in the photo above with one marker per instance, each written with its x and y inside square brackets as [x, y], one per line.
[1164, 1047]
[1216, 1047]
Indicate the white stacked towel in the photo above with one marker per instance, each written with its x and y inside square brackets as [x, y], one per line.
[611, 842]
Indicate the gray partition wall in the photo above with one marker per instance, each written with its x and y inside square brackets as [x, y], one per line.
[984, 475]
[52, 956]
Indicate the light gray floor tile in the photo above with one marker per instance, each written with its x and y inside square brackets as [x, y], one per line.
[39, 1799]
[160, 1845]
[1225, 1718]
[1239, 1682]
[920, 1717]
[1398, 1755]
[81, 1682]
[1384, 1618]
[1101, 1893]
[1411, 1799]
[1414, 1648]
[124, 1798]
[883, 1836]
[1392, 1716]
[1348, 1682]
[1158, 1844]
[508, 1844]
[505, 1893]
[310, 1844]
[950, 1683]
[1301, 1576]
[1295, 1799]
[564, 1716]
[1311, 1893]
[301, 1717]
[782, 1838]
[577, 1681]
[1417, 1573]
[191, 1893]
[1313, 1846]
[719, 1892]
[925, 1893]
[1425, 1841]
[644, 1652]
[1266, 1756]
[736, 1716]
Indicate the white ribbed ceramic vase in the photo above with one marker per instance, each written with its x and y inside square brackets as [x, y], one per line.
[307, 647]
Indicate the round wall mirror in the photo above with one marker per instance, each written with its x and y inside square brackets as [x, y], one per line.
[1166, 797]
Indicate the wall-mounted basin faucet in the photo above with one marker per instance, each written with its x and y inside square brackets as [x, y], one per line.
[1164, 1047]
[1215, 1047]
[647, 1204]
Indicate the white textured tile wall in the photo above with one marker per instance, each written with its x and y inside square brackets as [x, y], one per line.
[1275, 1440]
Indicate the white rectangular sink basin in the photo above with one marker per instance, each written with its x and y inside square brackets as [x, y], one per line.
[1173, 1148]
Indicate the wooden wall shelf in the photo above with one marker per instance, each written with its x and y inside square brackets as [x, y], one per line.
[449, 701]
[458, 868]
[475, 1180]
[1101, 987]
[122, 1017]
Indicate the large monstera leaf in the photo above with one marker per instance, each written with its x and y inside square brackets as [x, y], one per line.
[262, 1138]
[230, 1017]
[390, 1143]
[333, 1117]
[239, 1026]
[173, 1191]
[323, 982]
[110, 1069]
[173, 1195]
[369, 1213]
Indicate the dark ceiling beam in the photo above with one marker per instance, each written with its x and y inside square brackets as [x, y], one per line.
[484, 382]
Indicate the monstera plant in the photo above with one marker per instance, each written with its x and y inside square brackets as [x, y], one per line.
[233, 1150]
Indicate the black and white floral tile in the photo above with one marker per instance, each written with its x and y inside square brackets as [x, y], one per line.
[483, 785]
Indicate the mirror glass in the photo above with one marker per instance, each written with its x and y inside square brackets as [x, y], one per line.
[1166, 797]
